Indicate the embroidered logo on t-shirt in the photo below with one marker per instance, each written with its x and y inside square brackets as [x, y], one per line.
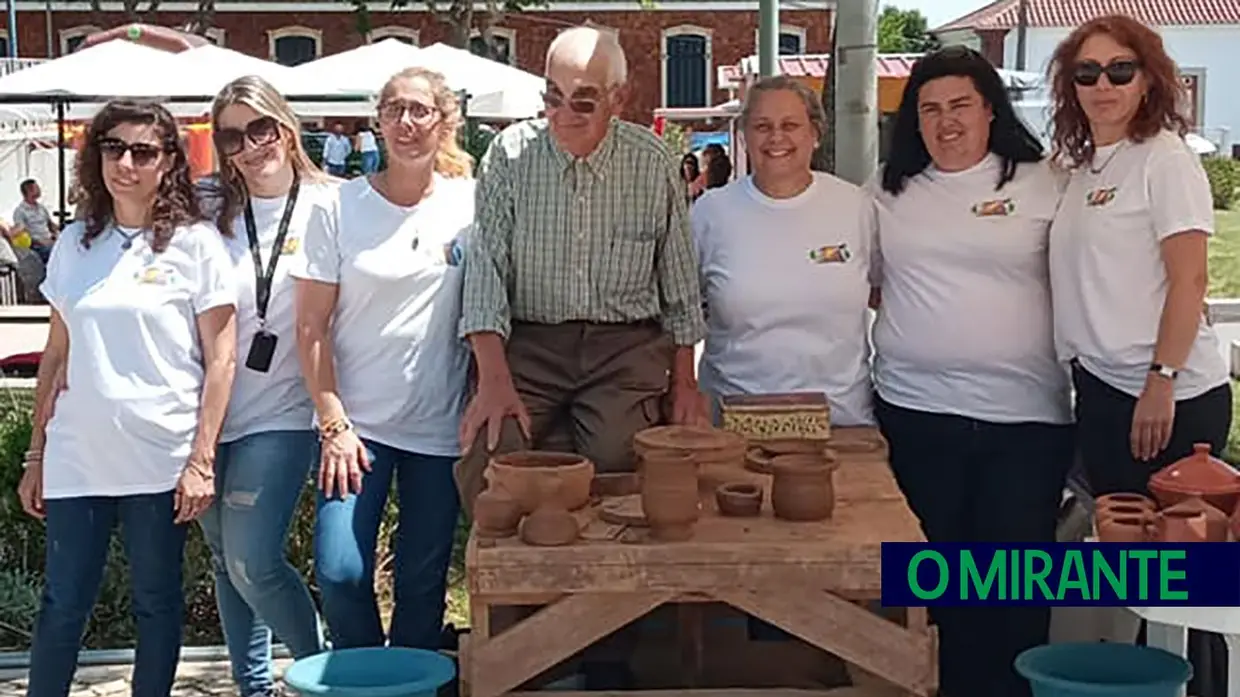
[291, 245]
[830, 254]
[153, 276]
[1100, 197]
[995, 208]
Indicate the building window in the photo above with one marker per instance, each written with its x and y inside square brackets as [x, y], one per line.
[217, 36]
[71, 39]
[503, 46]
[686, 67]
[405, 34]
[294, 45]
[4, 43]
[791, 40]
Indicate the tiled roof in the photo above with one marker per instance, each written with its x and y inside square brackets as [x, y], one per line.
[896, 65]
[1004, 14]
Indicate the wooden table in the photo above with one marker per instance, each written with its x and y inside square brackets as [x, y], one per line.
[805, 578]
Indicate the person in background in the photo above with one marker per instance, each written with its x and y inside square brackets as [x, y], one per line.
[142, 330]
[368, 146]
[336, 151]
[971, 399]
[34, 218]
[377, 309]
[602, 269]
[691, 175]
[263, 199]
[785, 263]
[718, 171]
[1128, 269]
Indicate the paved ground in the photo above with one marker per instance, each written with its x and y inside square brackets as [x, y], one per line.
[193, 680]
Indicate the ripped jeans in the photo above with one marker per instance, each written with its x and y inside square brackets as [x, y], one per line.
[259, 479]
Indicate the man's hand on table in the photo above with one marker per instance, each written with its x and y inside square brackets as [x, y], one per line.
[689, 405]
[495, 400]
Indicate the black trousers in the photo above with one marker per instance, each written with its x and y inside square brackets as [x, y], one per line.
[976, 481]
[1104, 420]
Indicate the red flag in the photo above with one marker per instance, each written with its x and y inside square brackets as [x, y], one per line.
[660, 123]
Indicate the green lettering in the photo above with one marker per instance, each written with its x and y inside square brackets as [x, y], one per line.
[972, 578]
[915, 586]
[1036, 576]
[1102, 567]
[1014, 589]
[1072, 575]
[1143, 558]
[1166, 575]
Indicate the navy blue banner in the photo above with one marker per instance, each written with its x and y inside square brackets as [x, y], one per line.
[1080, 574]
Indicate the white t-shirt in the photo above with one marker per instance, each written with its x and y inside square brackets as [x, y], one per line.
[276, 400]
[786, 285]
[965, 324]
[366, 142]
[34, 218]
[1106, 262]
[126, 422]
[400, 367]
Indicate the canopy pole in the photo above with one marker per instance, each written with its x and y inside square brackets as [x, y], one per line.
[13, 32]
[856, 98]
[768, 36]
[62, 214]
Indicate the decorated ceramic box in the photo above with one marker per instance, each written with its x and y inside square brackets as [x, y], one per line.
[789, 416]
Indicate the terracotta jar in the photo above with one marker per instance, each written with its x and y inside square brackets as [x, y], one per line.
[1216, 520]
[1123, 509]
[1125, 528]
[1126, 502]
[523, 474]
[496, 513]
[804, 487]
[719, 455]
[739, 500]
[1181, 526]
[1198, 475]
[550, 525]
[670, 494]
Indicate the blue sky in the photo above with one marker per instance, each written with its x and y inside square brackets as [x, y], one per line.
[938, 11]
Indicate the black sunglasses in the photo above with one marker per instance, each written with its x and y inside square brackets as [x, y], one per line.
[1119, 72]
[141, 154]
[263, 130]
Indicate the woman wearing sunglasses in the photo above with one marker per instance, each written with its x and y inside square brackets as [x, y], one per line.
[262, 200]
[142, 325]
[1128, 258]
[378, 304]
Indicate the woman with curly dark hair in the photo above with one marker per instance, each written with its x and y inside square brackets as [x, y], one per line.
[142, 332]
[1128, 258]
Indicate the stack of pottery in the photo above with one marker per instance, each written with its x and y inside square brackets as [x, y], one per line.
[674, 461]
[719, 455]
[534, 493]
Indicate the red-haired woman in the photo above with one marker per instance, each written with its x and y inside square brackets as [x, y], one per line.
[1128, 259]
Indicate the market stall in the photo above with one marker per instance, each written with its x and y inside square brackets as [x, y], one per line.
[790, 538]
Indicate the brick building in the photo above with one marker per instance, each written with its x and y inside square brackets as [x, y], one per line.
[673, 47]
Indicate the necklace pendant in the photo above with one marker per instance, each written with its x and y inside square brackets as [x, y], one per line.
[415, 244]
[127, 244]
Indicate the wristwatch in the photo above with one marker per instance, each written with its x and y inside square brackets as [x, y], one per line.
[1165, 371]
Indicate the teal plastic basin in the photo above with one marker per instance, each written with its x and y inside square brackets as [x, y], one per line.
[371, 672]
[1094, 669]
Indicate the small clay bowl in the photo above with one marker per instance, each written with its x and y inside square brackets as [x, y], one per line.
[549, 528]
[739, 500]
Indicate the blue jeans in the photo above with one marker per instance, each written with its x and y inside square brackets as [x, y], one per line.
[347, 531]
[78, 533]
[370, 162]
[258, 481]
[335, 170]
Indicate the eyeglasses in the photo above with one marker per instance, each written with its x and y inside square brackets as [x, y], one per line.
[580, 105]
[141, 154]
[263, 130]
[1119, 72]
[419, 113]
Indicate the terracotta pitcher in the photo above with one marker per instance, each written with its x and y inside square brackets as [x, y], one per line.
[1216, 520]
[804, 487]
[670, 494]
[1181, 526]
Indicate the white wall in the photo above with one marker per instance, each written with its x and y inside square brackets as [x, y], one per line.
[1211, 50]
[18, 162]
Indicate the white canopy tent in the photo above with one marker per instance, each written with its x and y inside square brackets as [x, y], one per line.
[206, 69]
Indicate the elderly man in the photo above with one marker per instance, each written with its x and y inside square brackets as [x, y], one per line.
[581, 298]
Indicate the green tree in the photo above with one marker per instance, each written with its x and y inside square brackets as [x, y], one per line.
[904, 31]
[459, 15]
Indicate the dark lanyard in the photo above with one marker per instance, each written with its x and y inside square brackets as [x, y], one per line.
[263, 280]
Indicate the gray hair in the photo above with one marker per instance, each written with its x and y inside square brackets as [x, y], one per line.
[601, 44]
[778, 83]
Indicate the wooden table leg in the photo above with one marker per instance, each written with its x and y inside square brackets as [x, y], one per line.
[551, 635]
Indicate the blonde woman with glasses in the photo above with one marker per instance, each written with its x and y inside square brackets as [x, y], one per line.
[263, 200]
[377, 310]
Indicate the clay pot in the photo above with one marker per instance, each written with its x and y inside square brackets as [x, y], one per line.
[670, 494]
[1126, 502]
[1125, 528]
[550, 525]
[1216, 520]
[496, 513]
[525, 473]
[739, 500]
[1181, 526]
[794, 447]
[759, 461]
[1198, 475]
[803, 489]
[719, 455]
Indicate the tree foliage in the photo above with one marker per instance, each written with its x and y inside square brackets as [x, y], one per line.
[458, 15]
[904, 31]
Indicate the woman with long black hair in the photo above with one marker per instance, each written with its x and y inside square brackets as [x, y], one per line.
[971, 398]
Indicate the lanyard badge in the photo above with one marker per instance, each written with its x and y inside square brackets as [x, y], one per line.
[263, 345]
